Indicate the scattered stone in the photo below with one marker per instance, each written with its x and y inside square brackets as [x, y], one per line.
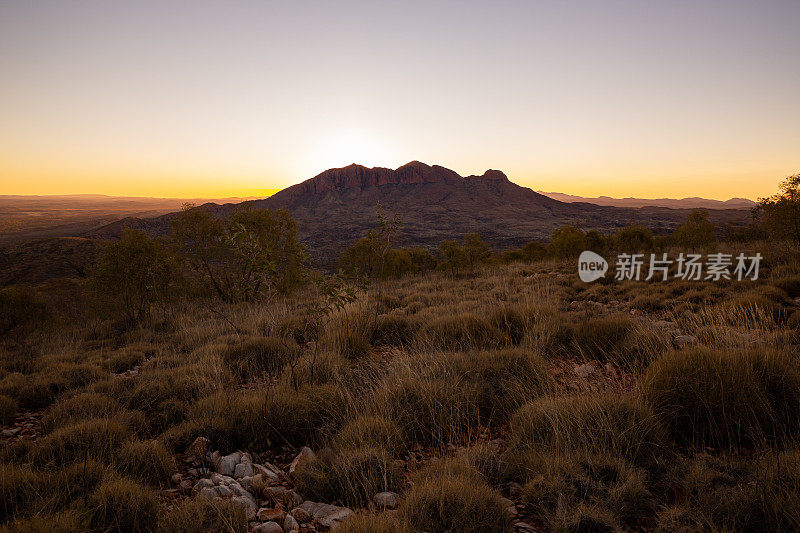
[267, 473]
[198, 448]
[227, 465]
[243, 469]
[306, 454]
[327, 515]
[202, 484]
[176, 478]
[300, 514]
[282, 495]
[290, 524]
[584, 370]
[266, 514]
[268, 527]
[222, 491]
[386, 500]
[8, 433]
[524, 527]
[250, 506]
[208, 493]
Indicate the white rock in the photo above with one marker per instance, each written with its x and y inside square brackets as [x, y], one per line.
[328, 515]
[386, 500]
[267, 473]
[223, 491]
[306, 454]
[203, 483]
[584, 371]
[227, 465]
[208, 493]
[685, 340]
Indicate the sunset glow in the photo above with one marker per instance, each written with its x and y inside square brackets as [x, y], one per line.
[241, 98]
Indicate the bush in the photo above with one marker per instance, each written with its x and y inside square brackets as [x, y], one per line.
[394, 330]
[146, 461]
[19, 489]
[259, 354]
[372, 523]
[453, 501]
[79, 407]
[96, 438]
[736, 495]
[352, 346]
[602, 481]
[191, 516]
[790, 285]
[713, 398]
[511, 320]
[8, 409]
[123, 506]
[371, 431]
[66, 522]
[458, 332]
[351, 476]
[601, 337]
[597, 424]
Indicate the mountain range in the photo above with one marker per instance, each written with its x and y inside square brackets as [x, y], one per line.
[674, 203]
[338, 206]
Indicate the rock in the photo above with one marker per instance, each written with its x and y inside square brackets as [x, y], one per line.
[585, 370]
[282, 495]
[290, 524]
[227, 465]
[202, 484]
[271, 515]
[267, 473]
[327, 515]
[385, 500]
[250, 506]
[306, 454]
[268, 527]
[524, 527]
[300, 514]
[243, 469]
[219, 479]
[198, 448]
[223, 491]
[8, 433]
[176, 478]
[208, 493]
[511, 509]
[515, 490]
[685, 340]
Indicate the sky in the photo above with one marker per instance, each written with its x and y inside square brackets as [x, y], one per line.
[239, 98]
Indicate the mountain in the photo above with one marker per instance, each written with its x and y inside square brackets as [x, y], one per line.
[338, 206]
[674, 203]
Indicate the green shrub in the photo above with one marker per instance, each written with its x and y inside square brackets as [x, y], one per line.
[715, 398]
[192, 516]
[8, 409]
[371, 431]
[605, 423]
[146, 461]
[455, 502]
[123, 506]
[352, 476]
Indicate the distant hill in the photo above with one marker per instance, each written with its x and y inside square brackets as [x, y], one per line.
[673, 203]
[336, 207]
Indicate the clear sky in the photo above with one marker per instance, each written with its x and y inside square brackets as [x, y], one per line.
[623, 98]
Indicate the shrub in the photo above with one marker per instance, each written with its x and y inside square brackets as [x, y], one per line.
[458, 332]
[600, 337]
[66, 522]
[124, 360]
[453, 501]
[352, 346]
[394, 330]
[586, 519]
[488, 462]
[352, 476]
[618, 425]
[123, 506]
[372, 523]
[737, 495]
[713, 398]
[8, 409]
[601, 481]
[96, 438]
[19, 487]
[259, 354]
[511, 320]
[790, 285]
[371, 431]
[191, 516]
[79, 407]
[146, 461]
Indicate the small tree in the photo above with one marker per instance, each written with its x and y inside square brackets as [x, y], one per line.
[466, 255]
[696, 232]
[567, 241]
[135, 273]
[779, 214]
[634, 238]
